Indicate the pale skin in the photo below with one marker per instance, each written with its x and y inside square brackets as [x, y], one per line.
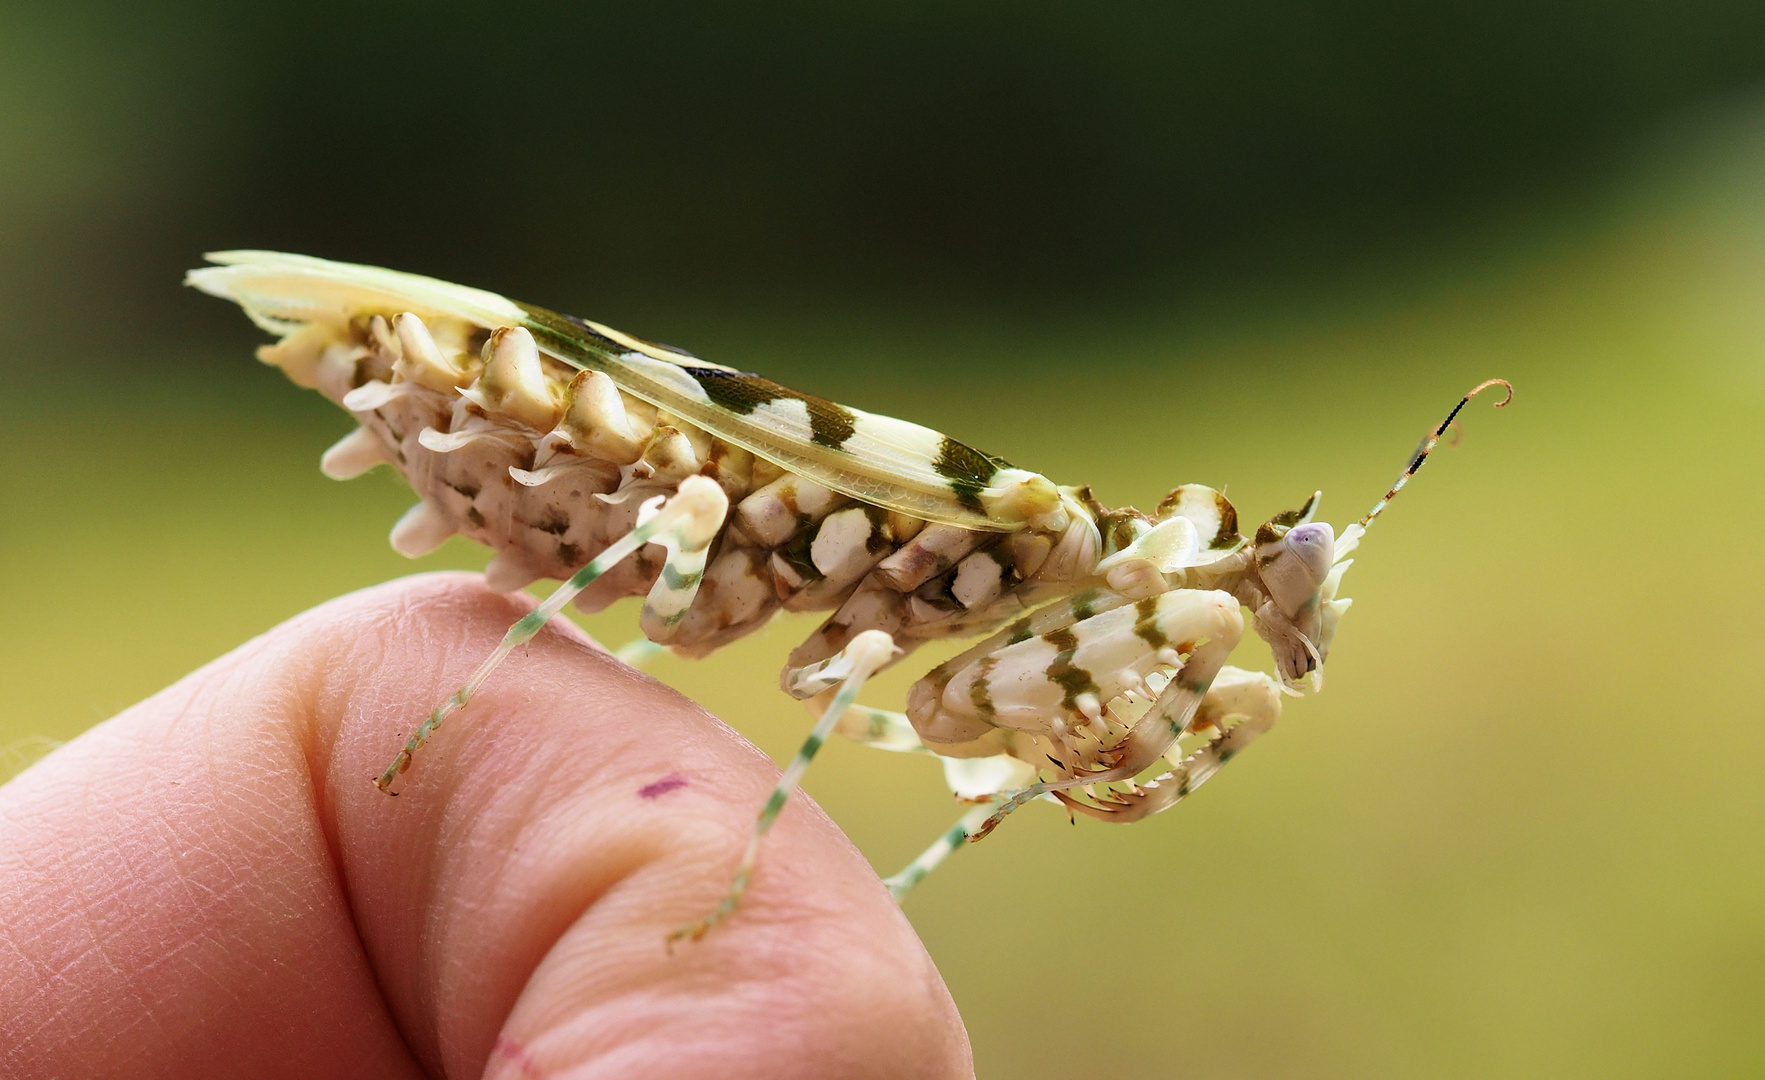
[210, 885]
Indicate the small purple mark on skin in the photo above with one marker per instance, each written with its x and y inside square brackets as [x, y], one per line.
[663, 786]
[511, 1050]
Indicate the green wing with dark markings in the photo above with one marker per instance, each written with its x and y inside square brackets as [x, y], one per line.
[879, 459]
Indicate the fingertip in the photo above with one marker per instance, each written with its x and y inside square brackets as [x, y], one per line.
[576, 814]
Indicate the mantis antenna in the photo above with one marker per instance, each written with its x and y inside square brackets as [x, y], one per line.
[1433, 440]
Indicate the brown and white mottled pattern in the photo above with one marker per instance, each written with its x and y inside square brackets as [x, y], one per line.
[578, 452]
[543, 435]
[547, 465]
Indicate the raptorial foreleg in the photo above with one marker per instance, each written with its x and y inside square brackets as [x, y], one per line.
[1218, 625]
[1240, 706]
[854, 665]
[686, 522]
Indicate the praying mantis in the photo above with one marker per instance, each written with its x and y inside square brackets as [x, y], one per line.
[624, 467]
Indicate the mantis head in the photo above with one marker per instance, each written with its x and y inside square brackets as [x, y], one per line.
[1297, 565]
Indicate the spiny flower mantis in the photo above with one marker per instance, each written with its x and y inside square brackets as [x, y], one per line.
[624, 467]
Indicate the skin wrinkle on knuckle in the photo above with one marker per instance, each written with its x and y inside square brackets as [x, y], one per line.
[357, 645]
[535, 792]
[189, 869]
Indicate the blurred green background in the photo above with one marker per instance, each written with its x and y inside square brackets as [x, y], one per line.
[1256, 246]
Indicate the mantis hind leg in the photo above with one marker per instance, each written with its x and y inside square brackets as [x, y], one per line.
[979, 779]
[686, 523]
[879, 729]
[851, 668]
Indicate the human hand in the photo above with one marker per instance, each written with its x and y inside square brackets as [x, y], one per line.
[209, 885]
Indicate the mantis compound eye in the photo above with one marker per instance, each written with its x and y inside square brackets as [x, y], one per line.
[1314, 545]
[1294, 568]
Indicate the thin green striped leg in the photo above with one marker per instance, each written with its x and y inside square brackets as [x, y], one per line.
[694, 513]
[855, 664]
[914, 872]
[878, 729]
[688, 544]
[885, 730]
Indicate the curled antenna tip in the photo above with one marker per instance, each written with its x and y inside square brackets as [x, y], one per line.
[1433, 440]
[1487, 383]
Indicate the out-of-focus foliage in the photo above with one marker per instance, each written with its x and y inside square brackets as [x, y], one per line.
[1000, 152]
[1521, 832]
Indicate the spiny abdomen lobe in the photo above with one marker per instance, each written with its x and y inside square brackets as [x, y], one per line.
[547, 465]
